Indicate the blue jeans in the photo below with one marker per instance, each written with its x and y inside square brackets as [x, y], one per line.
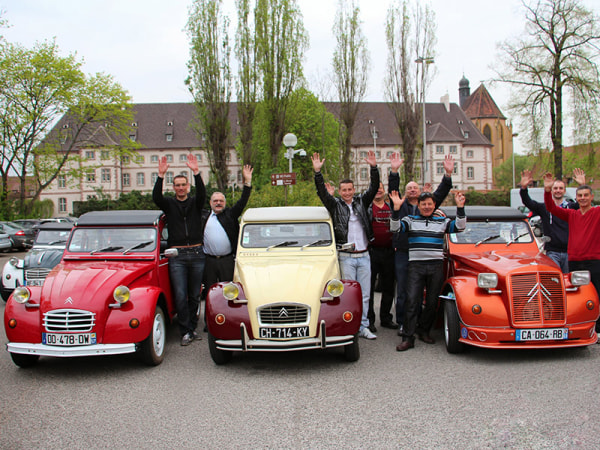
[401, 265]
[185, 271]
[560, 258]
[358, 268]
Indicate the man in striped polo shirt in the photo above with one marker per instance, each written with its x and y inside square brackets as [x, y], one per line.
[425, 261]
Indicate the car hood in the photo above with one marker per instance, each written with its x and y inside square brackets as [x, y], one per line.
[294, 278]
[88, 285]
[42, 258]
[503, 261]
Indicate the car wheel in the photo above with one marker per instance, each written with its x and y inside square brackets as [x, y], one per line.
[352, 351]
[152, 349]
[220, 357]
[452, 328]
[24, 361]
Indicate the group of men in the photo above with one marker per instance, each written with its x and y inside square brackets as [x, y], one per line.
[571, 226]
[404, 235]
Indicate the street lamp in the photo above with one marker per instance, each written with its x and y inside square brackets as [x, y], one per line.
[514, 135]
[375, 135]
[424, 61]
[290, 141]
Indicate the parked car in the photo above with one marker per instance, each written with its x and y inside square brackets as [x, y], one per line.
[287, 293]
[27, 223]
[501, 291]
[45, 253]
[21, 237]
[5, 242]
[110, 294]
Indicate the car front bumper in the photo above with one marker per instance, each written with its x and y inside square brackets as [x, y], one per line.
[66, 352]
[245, 344]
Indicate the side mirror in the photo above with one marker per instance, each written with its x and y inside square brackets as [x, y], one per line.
[171, 252]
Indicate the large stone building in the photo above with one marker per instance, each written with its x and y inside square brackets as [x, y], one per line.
[164, 130]
[489, 120]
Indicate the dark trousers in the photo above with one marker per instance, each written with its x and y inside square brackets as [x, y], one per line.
[401, 269]
[218, 268]
[593, 265]
[382, 264]
[185, 272]
[422, 275]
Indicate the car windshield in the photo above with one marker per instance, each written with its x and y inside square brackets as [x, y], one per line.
[500, 232]
[52, 237]
[289, 234]
[92, 240]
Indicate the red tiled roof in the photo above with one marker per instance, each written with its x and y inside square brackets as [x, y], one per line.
[481, 105]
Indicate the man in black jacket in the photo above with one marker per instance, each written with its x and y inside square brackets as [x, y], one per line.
[351, 224]
[221, 233]
[186, 231]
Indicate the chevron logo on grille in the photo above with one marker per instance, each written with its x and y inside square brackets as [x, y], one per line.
[539, 289]
[69, 301]
[283, 313]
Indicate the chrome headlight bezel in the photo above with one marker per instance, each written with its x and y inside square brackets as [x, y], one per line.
[121, 294]
[335, 288]
[231, 291]
[580, 277]
[487, 280]
[21, 294]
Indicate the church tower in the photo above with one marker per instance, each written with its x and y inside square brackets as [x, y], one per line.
[487, 117]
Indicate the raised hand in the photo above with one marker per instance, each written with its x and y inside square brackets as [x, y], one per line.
[396, 200]
[526, 178]
[548, 181]
[163, 166]
[247, 173]
[395, 162]
[330, 188]
[449, 165]
[192, 163]
[579, 176]
[459, 199]
[317, 162]
[427, 187]
[371, 158]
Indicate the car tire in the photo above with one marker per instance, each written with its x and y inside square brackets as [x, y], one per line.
[352, 351]
[4, 293]
[24, 361]
[452, 328]
[219, 357]
[152, 349]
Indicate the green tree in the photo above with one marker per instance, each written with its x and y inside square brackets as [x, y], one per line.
[351, 73]
[37, 87]
[557, 53]
[281, 41]
[410, 37]
[503, 174]
[210, 81]
[247, 81]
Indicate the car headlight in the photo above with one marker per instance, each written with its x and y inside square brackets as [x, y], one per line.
[231, 291]
[121, 294]
[487, 280]
[335, 288]
[13, 261]
[21, 294]
[580, 278]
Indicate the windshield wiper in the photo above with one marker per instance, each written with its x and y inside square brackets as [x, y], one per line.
[60, 241]
[282, 244]
[526, 233]
[105, 249]
[489, 238]
[319, 242]
[136, 246]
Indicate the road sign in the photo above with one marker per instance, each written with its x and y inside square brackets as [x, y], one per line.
[283, 179]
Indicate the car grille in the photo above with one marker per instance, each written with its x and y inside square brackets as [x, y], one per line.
[75, 320]
[284, 314]
[537, 298]
[37, 274]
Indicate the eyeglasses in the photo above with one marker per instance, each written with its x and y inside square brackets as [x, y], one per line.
[425, 195]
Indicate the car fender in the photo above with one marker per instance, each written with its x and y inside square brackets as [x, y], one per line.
[12, 276]
[332, 311]
[494, 311]
[235, 313]
[28, 321]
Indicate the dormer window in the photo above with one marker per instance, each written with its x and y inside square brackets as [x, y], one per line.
[134, 124]
[170, 123]
[169, 137]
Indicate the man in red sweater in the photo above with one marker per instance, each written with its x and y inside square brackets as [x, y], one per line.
[584, 225]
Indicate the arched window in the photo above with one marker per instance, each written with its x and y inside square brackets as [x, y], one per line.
[487, 132]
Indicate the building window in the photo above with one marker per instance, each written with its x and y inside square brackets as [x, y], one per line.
[154, 177]
[125, 159]
[470, 173]
[154, 159]
[62, 181]
[469, 153]
[455, 171]
[466, 133]
[169, 177]
[126, 179]
[132, 137]
[363, 154]
[169, 158]
[388, 155]
[169, 137]
[199, 157]
[62, 205]
[184, 173]
[364, 174]
[105, 175]
[140, 159]
[378, 154]
[91, 176]
[104, 154]
[439, 168]
[183, 158]
[140, 178]
[487, 132]
[240, 177]
[90, 154]
[453, 149]
[439, 149]
[228, 157]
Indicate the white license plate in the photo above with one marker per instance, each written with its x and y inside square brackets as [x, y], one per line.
[283, 332]
[34, 282]
[68, 340]
[542, 334]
